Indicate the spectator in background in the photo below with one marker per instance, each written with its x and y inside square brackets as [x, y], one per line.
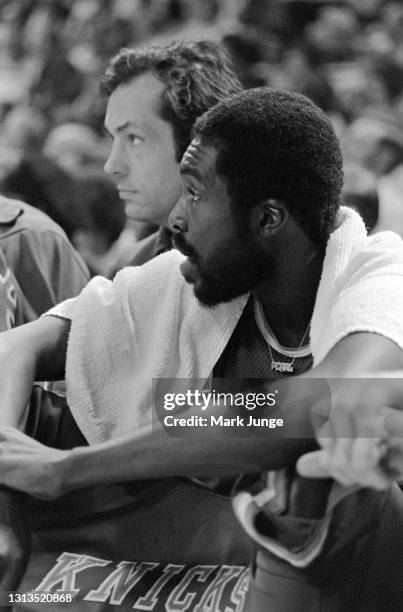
[57, 82]
[74, 147]
[375, 142]
[247, 55]
[303, 74]
[333, 33]
[46, 186]
[390, 72]
[23, 129]
[154, 96]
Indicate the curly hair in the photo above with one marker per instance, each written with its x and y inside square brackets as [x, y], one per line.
[277, 144]
[196, 75]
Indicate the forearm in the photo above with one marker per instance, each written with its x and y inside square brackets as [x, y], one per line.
[35, 351]
[102, 464]
[152, 453]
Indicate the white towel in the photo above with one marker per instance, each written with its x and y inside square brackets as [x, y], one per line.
[147, 324]
[361, 288]
[144, 325]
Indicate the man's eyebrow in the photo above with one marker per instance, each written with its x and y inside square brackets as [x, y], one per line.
[122, 127]
[187, 168]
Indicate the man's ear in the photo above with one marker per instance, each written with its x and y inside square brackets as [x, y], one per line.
[271, 217]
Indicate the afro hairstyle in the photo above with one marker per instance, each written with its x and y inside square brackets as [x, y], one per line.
[274, 144]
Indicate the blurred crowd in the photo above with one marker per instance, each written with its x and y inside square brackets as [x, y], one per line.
[346, 55]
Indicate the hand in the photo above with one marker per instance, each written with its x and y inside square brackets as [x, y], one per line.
[360, 439]
[380, 465]
[27, 465]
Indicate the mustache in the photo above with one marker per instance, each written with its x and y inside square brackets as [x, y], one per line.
[181, 245]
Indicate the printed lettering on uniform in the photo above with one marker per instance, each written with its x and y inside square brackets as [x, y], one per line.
[64, 574]
[182, 596]
[238, 595]
[150, 600]
[213, 594]
[147, 586]
[120, 582]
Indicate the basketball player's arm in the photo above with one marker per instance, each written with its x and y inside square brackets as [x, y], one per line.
[152, 452]
[35, 351]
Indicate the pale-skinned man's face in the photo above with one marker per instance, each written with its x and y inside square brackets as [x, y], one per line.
[142, 159]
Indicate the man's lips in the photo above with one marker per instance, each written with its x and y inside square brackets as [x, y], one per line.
[188, 267]
[181, 246]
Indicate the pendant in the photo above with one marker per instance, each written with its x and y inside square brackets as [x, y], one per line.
[282, 366]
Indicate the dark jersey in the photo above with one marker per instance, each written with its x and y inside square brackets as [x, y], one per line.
[247, 354]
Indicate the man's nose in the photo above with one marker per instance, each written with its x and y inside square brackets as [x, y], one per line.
[115, 165]
[178, 219]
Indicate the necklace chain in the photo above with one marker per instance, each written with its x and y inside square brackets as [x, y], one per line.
[286, 366]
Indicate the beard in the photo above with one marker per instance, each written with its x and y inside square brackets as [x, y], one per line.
[237, 266]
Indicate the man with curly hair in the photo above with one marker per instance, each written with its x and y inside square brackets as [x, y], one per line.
[155, 95]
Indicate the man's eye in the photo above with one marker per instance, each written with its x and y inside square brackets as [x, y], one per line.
[194, 195]
[134, 140]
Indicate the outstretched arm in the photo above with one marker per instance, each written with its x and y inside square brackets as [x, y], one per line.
[152, 453]
[356, 408]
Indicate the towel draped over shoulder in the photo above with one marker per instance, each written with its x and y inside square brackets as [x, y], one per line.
[147, 324]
